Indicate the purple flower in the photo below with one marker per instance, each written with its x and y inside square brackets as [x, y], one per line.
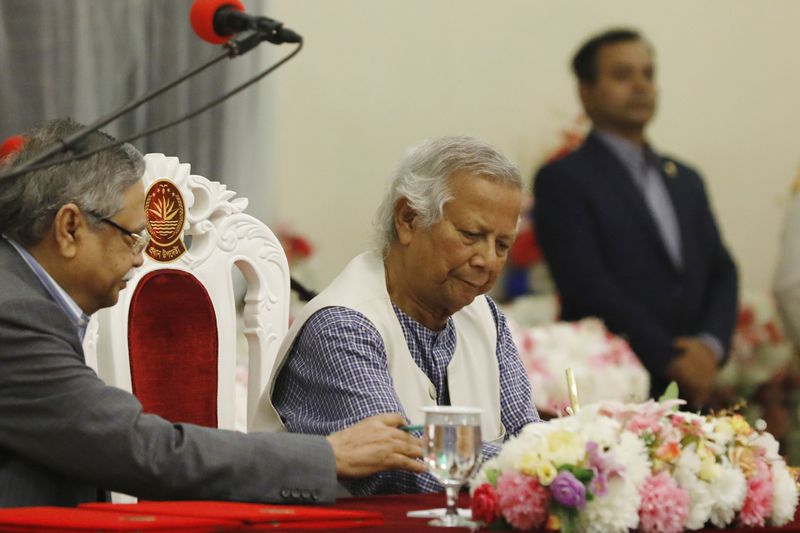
[605, 467]
[567, 490]
[598, 484]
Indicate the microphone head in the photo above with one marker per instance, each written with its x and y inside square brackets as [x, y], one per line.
[202, 18]
[11, 145]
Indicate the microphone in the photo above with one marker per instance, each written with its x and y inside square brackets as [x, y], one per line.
[215, 21]
[11, 145]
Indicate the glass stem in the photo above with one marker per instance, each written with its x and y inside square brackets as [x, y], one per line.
[452, 500]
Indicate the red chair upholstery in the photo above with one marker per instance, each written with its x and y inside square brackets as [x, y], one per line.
[173, 345]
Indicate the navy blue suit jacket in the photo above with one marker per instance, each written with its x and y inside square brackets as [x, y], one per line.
[608, 259]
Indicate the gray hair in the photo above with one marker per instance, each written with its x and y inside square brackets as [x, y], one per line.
[422, 178]
[29, 202]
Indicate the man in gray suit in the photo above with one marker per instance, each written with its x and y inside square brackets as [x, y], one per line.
[70, 235]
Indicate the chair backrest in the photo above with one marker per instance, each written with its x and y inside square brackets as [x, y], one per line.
[171, 339]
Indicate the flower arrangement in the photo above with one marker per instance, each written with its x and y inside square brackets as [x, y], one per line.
[605, 367]
[616, 467]
[760, 351]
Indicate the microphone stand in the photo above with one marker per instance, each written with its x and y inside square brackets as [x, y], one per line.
[233, 48]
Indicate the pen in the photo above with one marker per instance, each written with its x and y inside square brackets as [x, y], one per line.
[409, 429]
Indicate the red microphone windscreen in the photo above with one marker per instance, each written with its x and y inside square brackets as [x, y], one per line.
[202, 18]
[11, 145]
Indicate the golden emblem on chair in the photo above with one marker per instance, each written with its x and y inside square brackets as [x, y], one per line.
[164, 208]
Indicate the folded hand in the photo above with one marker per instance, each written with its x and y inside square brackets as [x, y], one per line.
[695, 369]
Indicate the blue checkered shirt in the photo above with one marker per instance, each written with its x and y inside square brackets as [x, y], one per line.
[337, 374]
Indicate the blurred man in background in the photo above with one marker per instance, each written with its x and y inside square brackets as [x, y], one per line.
[629, 234]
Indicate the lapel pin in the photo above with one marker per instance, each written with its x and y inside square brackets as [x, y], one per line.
[670, 168]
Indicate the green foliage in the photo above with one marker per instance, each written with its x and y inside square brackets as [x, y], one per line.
[568, 518]
[500, 525]
[671, 392]
[491, 476]
[584, 475]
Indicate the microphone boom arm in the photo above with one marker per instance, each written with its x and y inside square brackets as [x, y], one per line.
[233, 48]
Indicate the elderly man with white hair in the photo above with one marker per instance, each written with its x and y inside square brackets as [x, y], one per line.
[408, 325]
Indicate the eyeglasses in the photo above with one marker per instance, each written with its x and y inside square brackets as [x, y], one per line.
[139, 241]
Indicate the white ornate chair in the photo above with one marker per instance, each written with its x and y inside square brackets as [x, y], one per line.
[172, 337]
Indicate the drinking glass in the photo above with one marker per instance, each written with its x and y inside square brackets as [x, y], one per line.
[452, 440]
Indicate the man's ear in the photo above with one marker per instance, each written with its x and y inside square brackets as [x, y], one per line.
[404, 220]
[584, 90]
[68, 229]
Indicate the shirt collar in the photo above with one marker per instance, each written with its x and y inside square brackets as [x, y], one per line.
[631, 153]
[61, 297]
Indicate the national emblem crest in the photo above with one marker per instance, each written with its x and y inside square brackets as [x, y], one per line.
[166, 215]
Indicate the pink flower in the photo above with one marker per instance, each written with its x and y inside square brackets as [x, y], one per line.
[665, 505]
[484, 504]
[642, 417]
[758, 502]
[528, 342]
[523, 502]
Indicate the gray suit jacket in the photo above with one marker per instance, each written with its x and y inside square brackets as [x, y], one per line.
[65, 435]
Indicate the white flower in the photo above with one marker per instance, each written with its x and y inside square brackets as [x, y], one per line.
[635, 457]
[615, 512]
[700, 499]
[767, 441]
[784, 494]
[720, 435]
[728, 491]
[600, 429]
[511, 453]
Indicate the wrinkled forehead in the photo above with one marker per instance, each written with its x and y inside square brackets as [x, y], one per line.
[487, 195]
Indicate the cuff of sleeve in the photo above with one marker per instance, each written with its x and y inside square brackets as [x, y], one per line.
[712, 342]
[490, 449]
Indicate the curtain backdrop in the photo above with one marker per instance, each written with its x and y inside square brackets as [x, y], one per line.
[85, 58]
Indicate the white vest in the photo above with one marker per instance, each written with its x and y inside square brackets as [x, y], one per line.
[473, 375]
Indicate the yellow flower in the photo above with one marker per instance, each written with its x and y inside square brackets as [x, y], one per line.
[564, 447]
[529, 463]
[703, 452]
[740, 425]
[709, 470]
[744, 458]
[553, 523]
[546, 472]
[724, 428]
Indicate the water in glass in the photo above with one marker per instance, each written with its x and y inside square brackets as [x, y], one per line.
[452, 439]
